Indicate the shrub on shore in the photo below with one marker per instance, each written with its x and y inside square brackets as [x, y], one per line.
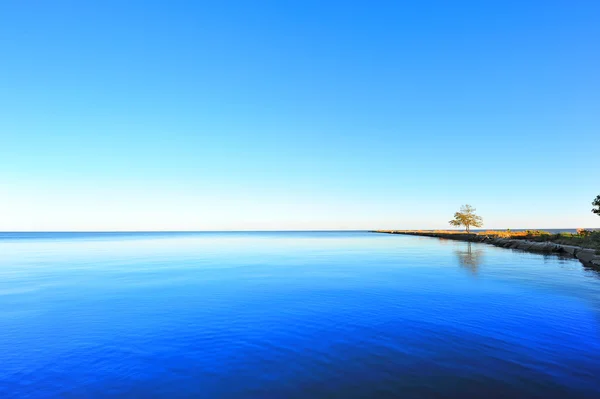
[582, 238]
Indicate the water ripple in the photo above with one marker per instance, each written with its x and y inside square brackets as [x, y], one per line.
[292, 315]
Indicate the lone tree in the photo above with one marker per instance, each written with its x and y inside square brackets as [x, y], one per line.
[467, 217]
[596, 203]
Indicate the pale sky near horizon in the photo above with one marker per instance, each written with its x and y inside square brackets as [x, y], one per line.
[191, 115]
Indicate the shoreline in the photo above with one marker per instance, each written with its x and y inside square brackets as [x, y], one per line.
[587, 256]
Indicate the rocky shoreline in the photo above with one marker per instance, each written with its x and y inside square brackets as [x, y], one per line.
[587, 256]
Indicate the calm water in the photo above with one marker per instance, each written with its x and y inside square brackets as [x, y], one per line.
[291, 315]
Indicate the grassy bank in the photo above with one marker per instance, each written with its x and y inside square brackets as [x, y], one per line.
[583, 238]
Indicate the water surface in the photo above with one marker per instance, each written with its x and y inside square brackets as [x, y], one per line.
[291, 315]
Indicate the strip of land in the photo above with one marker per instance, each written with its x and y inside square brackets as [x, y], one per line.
[584, 246]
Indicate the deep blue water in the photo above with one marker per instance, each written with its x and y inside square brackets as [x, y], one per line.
[291, 315]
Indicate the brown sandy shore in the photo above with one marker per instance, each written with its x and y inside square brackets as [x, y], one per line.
[587, 256]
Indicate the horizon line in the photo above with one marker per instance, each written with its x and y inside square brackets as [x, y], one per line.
[267, 231]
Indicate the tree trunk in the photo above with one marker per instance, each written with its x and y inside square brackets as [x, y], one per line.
[467, 227]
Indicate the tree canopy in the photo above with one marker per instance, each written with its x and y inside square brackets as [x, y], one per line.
[467, 217]
[596, 203]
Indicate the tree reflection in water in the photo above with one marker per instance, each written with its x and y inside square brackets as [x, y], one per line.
[470, 258]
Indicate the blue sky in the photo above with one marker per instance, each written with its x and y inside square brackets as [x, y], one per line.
[190, 115]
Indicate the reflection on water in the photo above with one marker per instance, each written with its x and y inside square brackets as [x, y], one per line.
[470, 258]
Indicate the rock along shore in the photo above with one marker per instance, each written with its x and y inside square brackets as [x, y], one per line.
[587, 256]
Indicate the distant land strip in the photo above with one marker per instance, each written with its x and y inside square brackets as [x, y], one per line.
[587, 249]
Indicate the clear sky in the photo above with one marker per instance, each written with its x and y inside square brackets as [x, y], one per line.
[191, 115]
